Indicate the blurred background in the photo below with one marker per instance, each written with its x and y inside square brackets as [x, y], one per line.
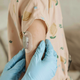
[71, 23]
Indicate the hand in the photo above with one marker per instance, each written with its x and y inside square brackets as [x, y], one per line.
[14, 67]
[42, 69]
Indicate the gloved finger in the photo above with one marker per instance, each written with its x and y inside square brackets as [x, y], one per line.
[15, 59]
[49, 50]
[22, 71]
[39, 51]
[18, 67]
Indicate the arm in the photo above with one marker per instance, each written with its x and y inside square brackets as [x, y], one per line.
[38, 31]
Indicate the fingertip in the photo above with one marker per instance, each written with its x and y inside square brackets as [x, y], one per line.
[22, 53]
[47, 41]
[23, 49]
[42, 43]
[49, 49]
[48, 44]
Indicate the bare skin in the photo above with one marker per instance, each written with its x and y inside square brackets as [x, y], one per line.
[38, 30]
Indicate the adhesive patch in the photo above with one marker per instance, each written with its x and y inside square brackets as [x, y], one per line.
[27, 41]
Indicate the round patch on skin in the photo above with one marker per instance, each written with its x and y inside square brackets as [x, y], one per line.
[27, 41]
[26, 16]
[53, 29]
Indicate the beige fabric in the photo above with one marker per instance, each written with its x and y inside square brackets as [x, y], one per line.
[73, 41]
[23, 12]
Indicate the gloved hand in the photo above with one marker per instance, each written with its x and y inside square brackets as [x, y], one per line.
[14, 67]
[42, 69]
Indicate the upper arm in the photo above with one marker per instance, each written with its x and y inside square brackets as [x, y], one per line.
[38, 31]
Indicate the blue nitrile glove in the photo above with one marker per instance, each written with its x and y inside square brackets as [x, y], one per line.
[45, 69]
[14, 67]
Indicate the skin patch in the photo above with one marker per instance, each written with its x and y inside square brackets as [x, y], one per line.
[27, 41]
[53, 29]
